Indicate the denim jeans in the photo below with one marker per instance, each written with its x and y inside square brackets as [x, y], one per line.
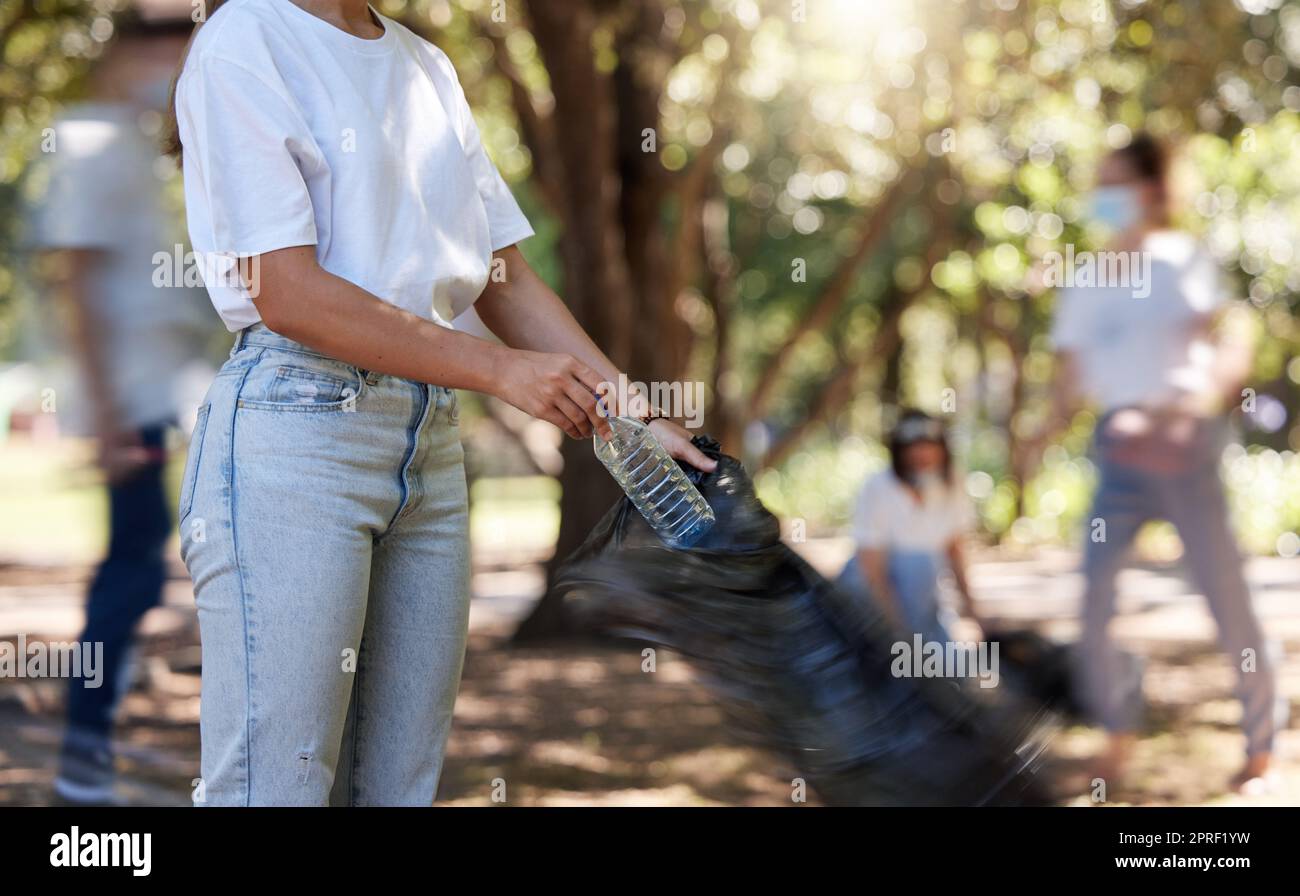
[128, 583]
[324, 521]
[914, 576]
[1192, 499]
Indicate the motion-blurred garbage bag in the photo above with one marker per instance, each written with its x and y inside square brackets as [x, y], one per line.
[1050, 675]
[799, 667]
[1038, 669]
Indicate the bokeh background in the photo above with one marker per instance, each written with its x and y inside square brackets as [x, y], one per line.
[822, 210]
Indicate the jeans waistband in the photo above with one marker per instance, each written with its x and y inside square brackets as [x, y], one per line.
[259, 334]
[1155, 451]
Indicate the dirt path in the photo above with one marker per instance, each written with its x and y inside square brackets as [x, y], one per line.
[585, 725]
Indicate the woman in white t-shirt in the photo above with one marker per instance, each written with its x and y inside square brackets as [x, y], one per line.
[344, 212]
[1153, 356]
[907, 527]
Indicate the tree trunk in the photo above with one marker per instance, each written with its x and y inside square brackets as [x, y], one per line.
[597, 283]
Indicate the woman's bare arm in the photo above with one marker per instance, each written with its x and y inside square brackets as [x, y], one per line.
[526, 313]
[297, 298]
[957, 563]
[548, 368]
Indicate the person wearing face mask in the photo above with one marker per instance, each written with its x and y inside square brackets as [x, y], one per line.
[1160, 369]
[96, 230]
[908, 526]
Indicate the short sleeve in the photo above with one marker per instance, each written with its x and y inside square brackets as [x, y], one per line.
[83, 195]
[245, 144]
[1203, 284]
[871, 517]
[506, 222]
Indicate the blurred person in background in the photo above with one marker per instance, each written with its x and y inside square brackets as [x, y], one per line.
[1163, 376]
[98, 226]
[908, 527]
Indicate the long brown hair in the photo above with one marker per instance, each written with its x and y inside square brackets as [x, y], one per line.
[1149, 158]
[171, 138]
[930, 430]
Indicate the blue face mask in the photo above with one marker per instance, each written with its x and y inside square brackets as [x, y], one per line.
[926, 482]
[1116, 208]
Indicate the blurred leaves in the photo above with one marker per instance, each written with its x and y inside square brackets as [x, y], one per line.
[992, 113]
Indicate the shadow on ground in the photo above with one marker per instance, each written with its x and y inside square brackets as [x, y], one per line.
[587, 724]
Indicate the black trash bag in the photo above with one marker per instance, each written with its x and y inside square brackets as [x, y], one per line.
[1050, 674]
[1038, 669]
[798, 666]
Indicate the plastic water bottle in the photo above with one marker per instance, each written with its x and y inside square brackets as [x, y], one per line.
[670, 502]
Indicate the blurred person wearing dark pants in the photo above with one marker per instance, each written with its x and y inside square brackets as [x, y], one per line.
[1163, 371]
[100, 223]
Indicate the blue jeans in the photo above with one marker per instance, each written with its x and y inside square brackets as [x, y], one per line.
[914, 576]
[127, 584]
[1192, 499]
[324, 521]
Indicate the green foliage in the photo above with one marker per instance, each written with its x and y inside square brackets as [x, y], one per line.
[45, 50]
[1020, 100]
[1001, 108]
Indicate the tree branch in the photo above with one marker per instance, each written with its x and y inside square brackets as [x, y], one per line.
[536, 125]
[837, 391]
[833, 296]
[887, 339]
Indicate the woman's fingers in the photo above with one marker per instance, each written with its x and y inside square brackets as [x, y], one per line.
[586, 401]
[557, 418]
[585, 375]
[677, 442]
[559, 395]
[695, 457]
[579, 426]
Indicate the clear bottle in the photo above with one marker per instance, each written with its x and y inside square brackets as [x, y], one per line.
[670, 502]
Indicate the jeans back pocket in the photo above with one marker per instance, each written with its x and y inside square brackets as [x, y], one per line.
[193, 456]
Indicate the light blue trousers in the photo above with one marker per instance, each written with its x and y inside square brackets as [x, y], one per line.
[914, 576]
[1194, 502]
[324, 521]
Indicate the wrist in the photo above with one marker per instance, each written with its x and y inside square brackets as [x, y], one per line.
[653, 415]
[493, 374]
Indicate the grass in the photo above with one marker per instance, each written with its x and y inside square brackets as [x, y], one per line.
[54, 506]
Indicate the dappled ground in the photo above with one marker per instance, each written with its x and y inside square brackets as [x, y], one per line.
[584, 724]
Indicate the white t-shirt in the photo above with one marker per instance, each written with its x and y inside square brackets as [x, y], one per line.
[887, 516]
[104, 194]
[298, 133]
[1145, 350]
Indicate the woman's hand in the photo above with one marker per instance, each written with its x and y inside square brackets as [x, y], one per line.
[120, 453]
[677, 441]
[562, 390]
[553, 387]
